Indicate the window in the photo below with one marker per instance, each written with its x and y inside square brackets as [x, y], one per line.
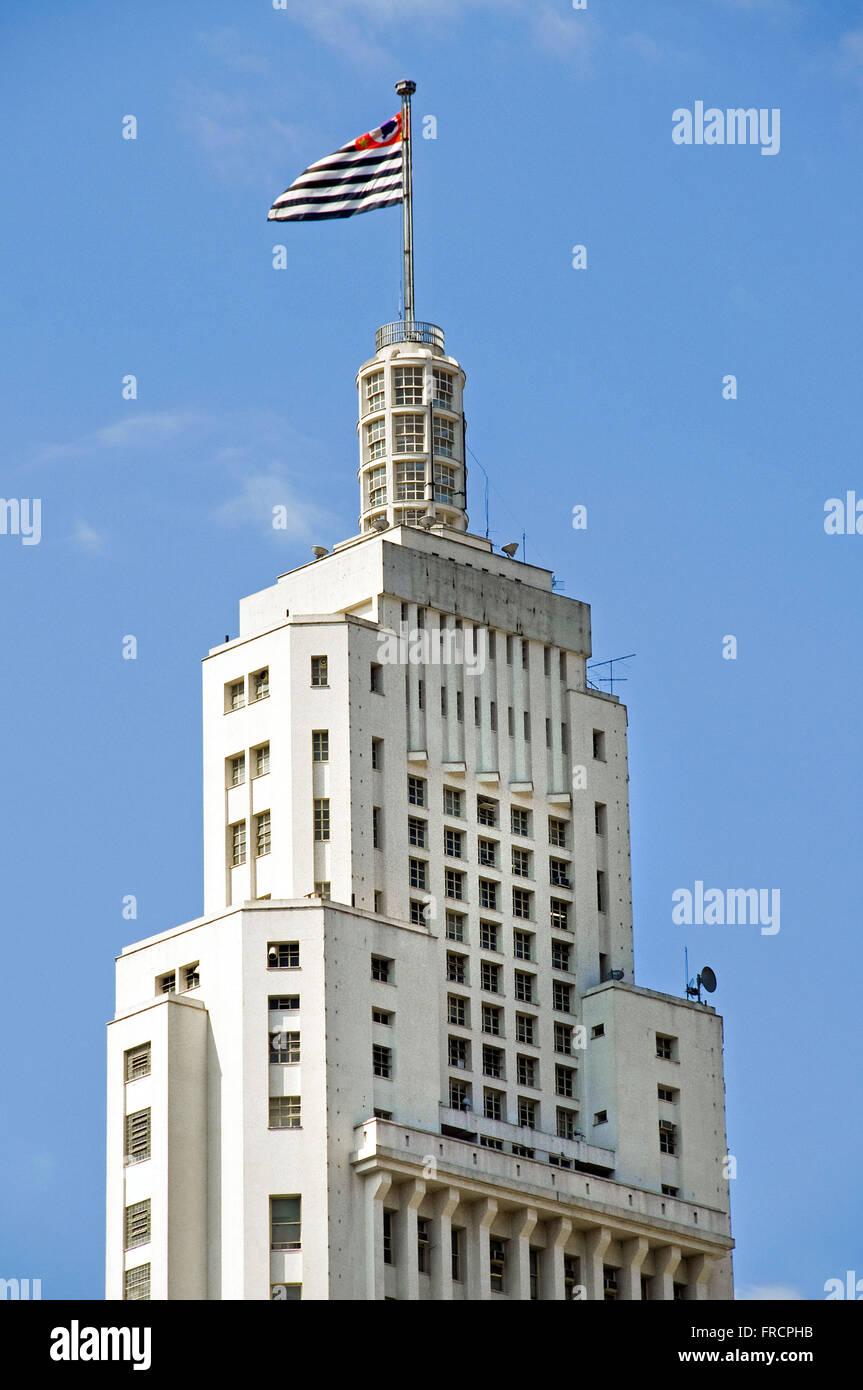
[138, 1224]
[525, 1070]
[510, 721]
[284, 1047]
[383, 1114]
[493, 1104]
[137, 1062]
[388, 1238]
[260, 684]
[527, 1113]
[459, 1094]
[456, 968]
[455, 1246]
[442, 388]
[138, 1136]
[667, 1137]
[444, 477]
[455, 926]
[374, 384]
[382, 1016]
[609, 1282]
[382, 1060]
[320, 746]
[521, 863]
[522, 1151]
[416, 832]
[492, 713]
[598, 1030]
[564, 739]
[521, 902]
[599, 817]
[261, 757]
[492, 1018]
[376, 678]
[561, 996]
[558, 872]
[167, 984]
[666, 1093]
[453, 843]
[322, 818]
[443, 712]
[488, 894]
[285, 1223]
[137, 1284]
[283, 955]
[563, 1038]
[453, 883]
[410, 483]
[559, 914]
[526, 720]
[459, 706]
[489, 933]
[409, 439]
[599, 745]
[567, 1123]
[237, 770]
[665, 1047]
[564, 1080]
[283, 1003]
[520, 821]
[376, 483]
[525, 1028]
[600, 891]
[423, 1245]
[376, 828]
[486, 811]
[522, 945]
[457, 1010]
[492, 1061]
[262, 834]
[486, 1142]
[408, 385]
[319, 671]
[376, 438]
[444, 439]
[560, 952]
[669, 1191]
[192, 977]
[557, 832]
[322, 888]
[417, 873]
[237, 832]
[458, 1052]
[601, 1117]
[453, 802]
[285, 1112]
[382, 969]
[487, 850]
[286, 1293]
[377, 754]
[235, 695]
[533, 1266]
[416, 791]
[489, 977]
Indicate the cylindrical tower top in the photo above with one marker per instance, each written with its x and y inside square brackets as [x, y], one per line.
[411, 431]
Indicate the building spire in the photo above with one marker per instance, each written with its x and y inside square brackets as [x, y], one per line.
[406, 90]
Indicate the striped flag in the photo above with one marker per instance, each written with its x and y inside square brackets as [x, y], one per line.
[362, 175]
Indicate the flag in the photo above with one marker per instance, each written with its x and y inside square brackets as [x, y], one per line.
[362, 175]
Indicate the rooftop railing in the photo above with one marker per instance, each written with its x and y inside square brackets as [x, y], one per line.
[413, 332]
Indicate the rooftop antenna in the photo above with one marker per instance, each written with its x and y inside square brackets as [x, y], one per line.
[406, 89]
[611, 677]
[485, 475]
[706, 980]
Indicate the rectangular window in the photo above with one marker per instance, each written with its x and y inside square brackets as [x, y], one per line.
[560, 951]
[486, 1142]
[377, 754]
[283, 1003]
[459, 706]
[192, 977]
[668, 1191]
[388, 1238]
[382, 1016]
[521, 902]
[457, 1013]
[486, 811]
[283, 955]
[492, 1061]
[459, 1094]
[558, 872]
[320, 746]
[526, 720]
[487, 853]
[557, 832]
[453, 802]
[559, 914]
[237, 832]
[567, 1120]
[376, 678]
[521, 863]
[524, 986]
[262, 834]
[489, 934]
[137, 1062]
[456, 968]
[533, 1266]
[417, 873]
[417, 832]
[416, 791]
[599, 745]
[454, 883]
[599, 817]
[443, 713]
[597, 1031]
[458, 1053]
[376, 484]
[261, 756]
[410, 482]
[489, 977]
[600, 891]
[525, 1028]
[237, 770]
[563, 1038]
[382, 1060]
[561, 997]
[376, 438]
[284, 1047]
[522, 945]
[519, 821]
[525, 653]
[322, 818]
[285, 1112]
[444, 441]
[382, 969]
[493, 1104]
[319, 671]
[285, 1223]
[564, 739]
[455, 1246]
[322, 888]
[665, 1047]
[453, 843]
[525, 1071]
[374, 384]
[667, 1137]
[260, 684]
[410, 436]
[138, 1224]
[443, 388]
[423, 1245]
[488, 894]
[492, 1020]
[564, 1080]
[138, 1136]
[235, 695]
[376, 827]
[137, 1284]
[666, 1093]
[408, 385]
[477, 714]
[527, 1113]
[167, 984]
[455, 926]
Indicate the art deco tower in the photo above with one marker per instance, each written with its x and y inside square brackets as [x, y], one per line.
[402, 1054]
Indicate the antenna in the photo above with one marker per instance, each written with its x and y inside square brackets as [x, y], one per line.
[406, 90]
[705, 980]
[611, 677]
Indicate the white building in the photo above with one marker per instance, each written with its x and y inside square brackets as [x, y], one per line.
[402, 1054]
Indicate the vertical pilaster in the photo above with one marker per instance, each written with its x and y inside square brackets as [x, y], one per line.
[522, 1224]
[482, 1215]
[665, 1262]
[407, 1253]
[699, 1269]
[440, 1253]
[596, 1243]
[377, 1186]
[634, 1253]
[557, 1233]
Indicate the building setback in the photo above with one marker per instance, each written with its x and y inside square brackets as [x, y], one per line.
[402, 1054]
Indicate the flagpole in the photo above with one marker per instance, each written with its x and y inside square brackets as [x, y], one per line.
[406, 90]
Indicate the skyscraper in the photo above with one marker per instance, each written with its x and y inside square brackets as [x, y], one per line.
[403, 1054]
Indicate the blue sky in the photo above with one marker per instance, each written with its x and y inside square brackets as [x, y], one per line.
[600, 387]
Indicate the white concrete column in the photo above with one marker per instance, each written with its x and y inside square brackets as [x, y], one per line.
[440, 1253]
[665, 1262]
[699, 1269]
[557, 1233]
[521, 1229]
[377, 1186]
[634, 1253]
[482, 1215]
[596, 1243]
[407, 1254]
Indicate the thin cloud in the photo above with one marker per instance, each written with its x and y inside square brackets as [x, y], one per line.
[241, 141]
[87, 538]
[270, 502]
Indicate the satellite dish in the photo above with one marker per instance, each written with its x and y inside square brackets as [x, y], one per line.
[707, 978]
[510, 549]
